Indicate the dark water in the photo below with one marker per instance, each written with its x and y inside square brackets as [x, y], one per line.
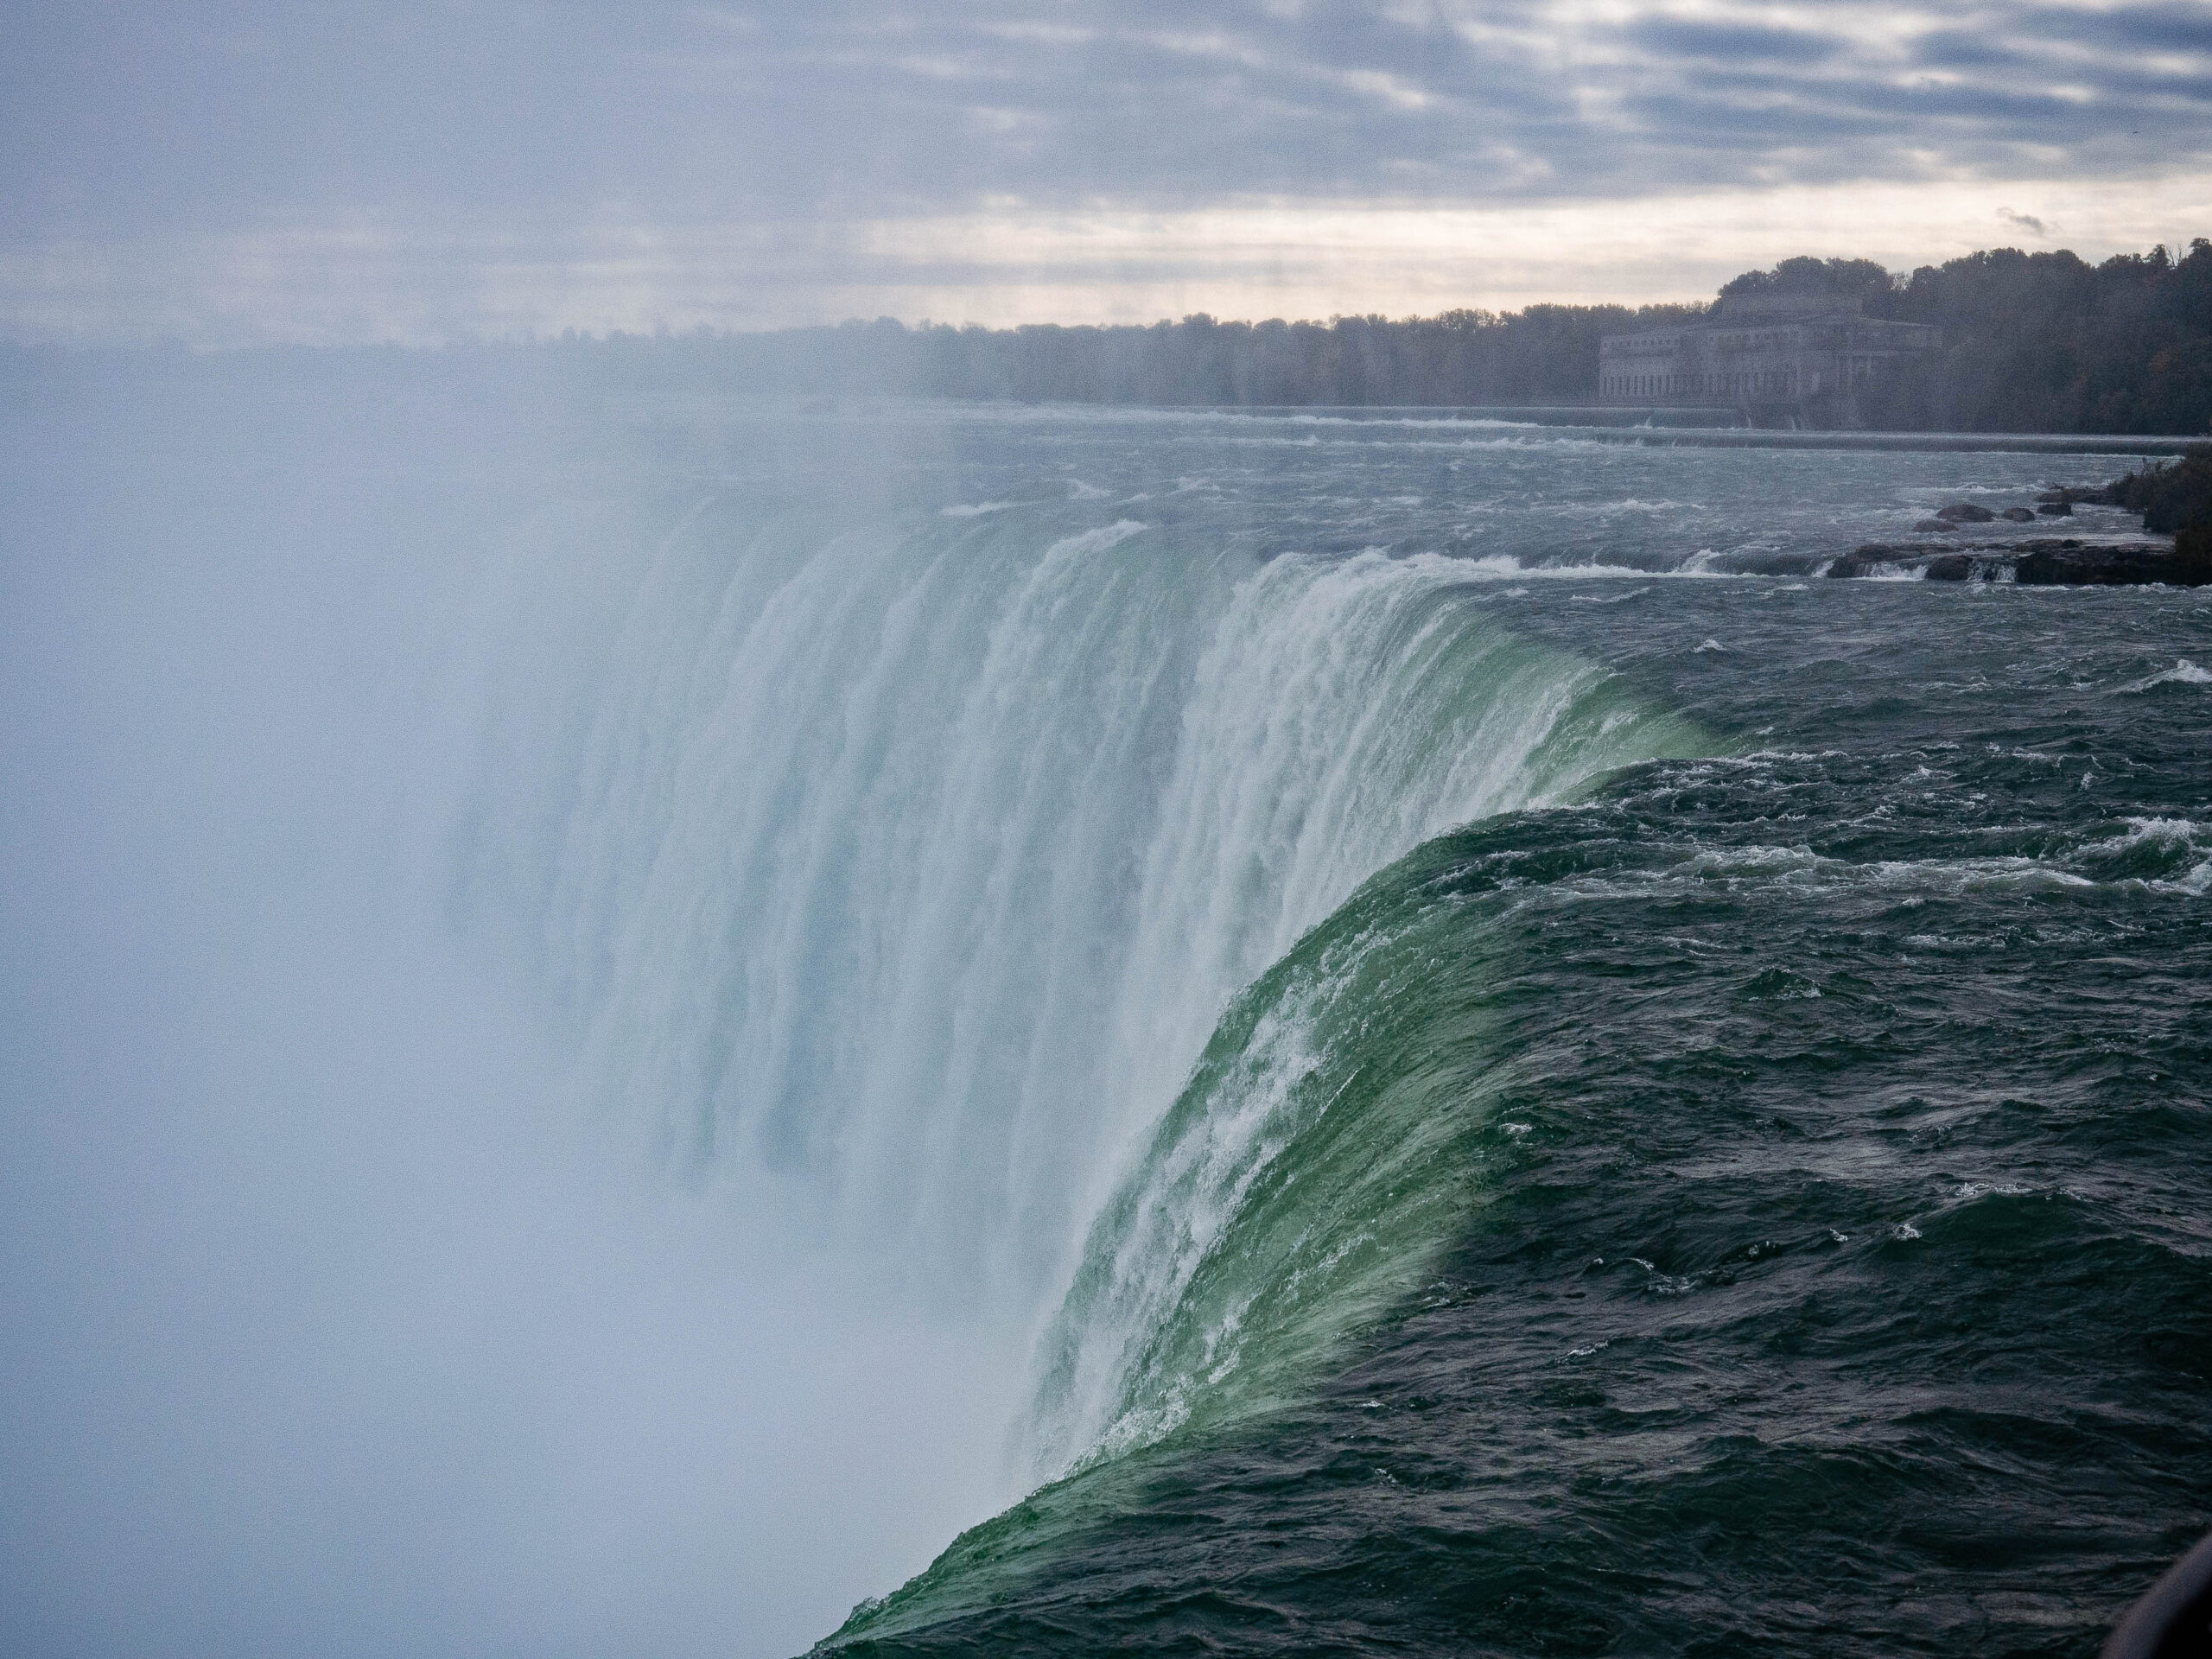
[1825, 1130]
[1359, 1036]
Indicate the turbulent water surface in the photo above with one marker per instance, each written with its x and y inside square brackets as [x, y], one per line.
[1524, 1074]
[1616, 1095]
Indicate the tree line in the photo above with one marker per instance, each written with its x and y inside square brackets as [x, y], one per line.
[2031, 342]
[1545, 354]
[2047, 342]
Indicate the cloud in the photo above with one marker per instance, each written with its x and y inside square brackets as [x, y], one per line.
[2181, 29]
[1738, 43]
[756, 118]
[1012, 263]
[876, 105]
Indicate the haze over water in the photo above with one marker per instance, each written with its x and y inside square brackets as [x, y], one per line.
[639, 1017]
[254, 172]
[603, 1025]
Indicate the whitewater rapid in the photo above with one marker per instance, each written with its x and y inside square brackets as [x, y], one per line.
[896, 873]
[987, 880]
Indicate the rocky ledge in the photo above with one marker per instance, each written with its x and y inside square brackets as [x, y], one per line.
[2175, 501]
[2046, 562]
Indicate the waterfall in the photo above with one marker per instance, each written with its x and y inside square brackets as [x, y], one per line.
[901, 868]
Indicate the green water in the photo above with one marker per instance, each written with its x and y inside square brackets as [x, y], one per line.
[1761, 1202]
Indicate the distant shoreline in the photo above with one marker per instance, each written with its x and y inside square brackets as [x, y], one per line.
[1629, 429]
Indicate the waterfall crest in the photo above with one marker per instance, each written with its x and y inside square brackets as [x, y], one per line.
[907, 866]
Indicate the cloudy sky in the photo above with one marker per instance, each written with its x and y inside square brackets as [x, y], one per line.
[219, 172]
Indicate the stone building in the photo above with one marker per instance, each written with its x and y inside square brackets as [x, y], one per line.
[1784, 360]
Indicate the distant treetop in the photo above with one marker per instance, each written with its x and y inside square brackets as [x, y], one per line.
[2030, 342]
[1840, 278]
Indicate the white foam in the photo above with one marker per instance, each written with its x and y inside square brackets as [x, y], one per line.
[2183, 672]
[2164, 832]
[909, 873]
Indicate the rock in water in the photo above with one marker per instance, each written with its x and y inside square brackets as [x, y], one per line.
[1965, 512]
[1859, 560]
[2076, 566]
[2046, 563]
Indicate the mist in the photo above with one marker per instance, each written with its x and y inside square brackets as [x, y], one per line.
[252, 174]
[575, 971]
[337, 1319]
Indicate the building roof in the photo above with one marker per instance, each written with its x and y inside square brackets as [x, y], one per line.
[1738, 321]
